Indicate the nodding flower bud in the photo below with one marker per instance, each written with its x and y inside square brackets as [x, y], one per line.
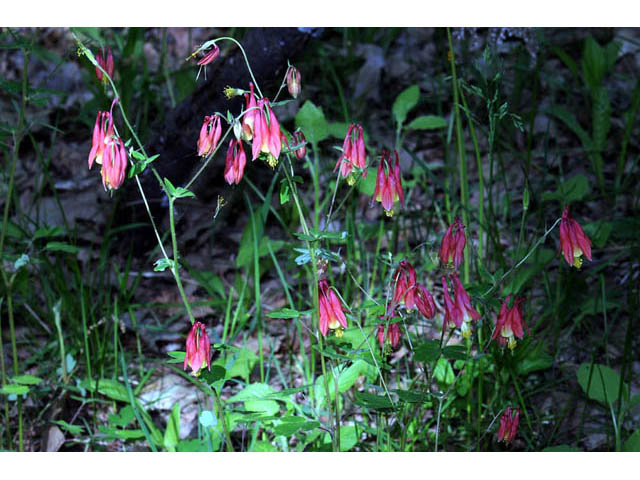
[293, 81]
[301, 143]
[453, 243]
[106, 64]
[389, 183]
[209, 135]
[353, 154]
[391, 336]
[210, 56]
[508, 425]
[331, 315]
[235, 162]
[198, 349]
[573, 242]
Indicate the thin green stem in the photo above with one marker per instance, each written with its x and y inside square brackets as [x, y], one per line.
[256, 284]
[176, 263]
[462, 159]
[288, 170]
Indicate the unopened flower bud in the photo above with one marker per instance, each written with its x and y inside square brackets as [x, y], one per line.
[293, 81]
[300, 139]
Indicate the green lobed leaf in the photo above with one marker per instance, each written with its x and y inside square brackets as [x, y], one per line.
[14, 389]
[26, 380]
[284, 313]
[632, 444]
[310, 119]
[427, 122]
[605, 382]
[443, 372]
[171, 434]
[404, 102]
[61, 247]
[428, 351]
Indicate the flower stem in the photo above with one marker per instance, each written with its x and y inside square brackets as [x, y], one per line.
[176, 262]
[462, 159]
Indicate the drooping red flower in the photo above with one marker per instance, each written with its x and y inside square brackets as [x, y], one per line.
[234, 162]
[300, 139]
[266, 133]
[389, 183]
[510, 323]
[210, 133]
[508, 425]
[198, 349]
[453, 243]
[353, 154]
[404, 280]
[331, 314]
[573, 242]
[210, 56]
[249, 115]
[459, 313]
[424, 301]
[107, 65]
[108, 150]
[392, 334]
[452, 314]
[463, 302]
[293, 81]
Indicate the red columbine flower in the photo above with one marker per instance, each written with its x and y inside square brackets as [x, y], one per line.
[106, 64]
[235, 162]
[463, 303]
[293, 81]
[331, 314]
[250, 112]
[459, 313]
[573, 242]
[452, 314]
[353, 154]
[108, 150]
[300, 139]
[114, 165]
[392, 335]
[509, 324]
[404, 279]
[210, 56]
[424, 301]
[452, 248]
[266, 133]
[508, 425]
[389, 183]
[209, 135]
[198, 349]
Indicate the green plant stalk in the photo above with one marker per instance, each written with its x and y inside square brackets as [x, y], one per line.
[476, 149]
[58, 324]
[256, 285]
[462, 159]
[521, 400]
[285, 286]
[5, 219]
[314, 269]
[524, 259]
[176, 263]
[165, 68]
[632, 114]
[4, 382]
[142, 194]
